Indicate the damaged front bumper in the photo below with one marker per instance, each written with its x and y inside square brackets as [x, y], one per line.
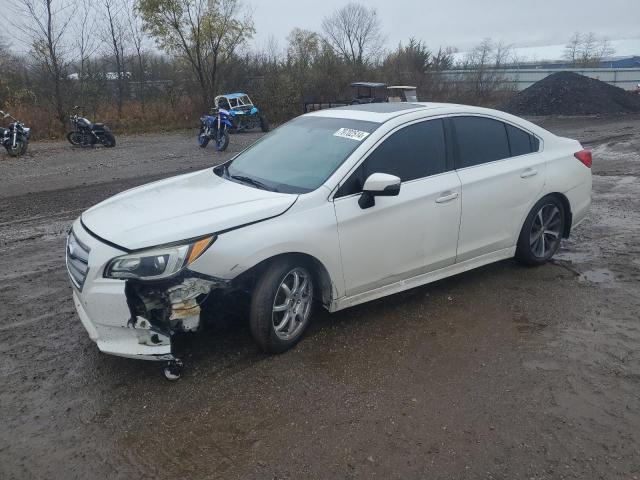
[131, 318]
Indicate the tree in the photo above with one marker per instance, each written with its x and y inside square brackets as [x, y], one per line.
[354, 33]
[572, 49]
[205, 33]
[587, 50]
[137, 36]
[46, 24]
[115, 35]
[86, 44]
[303, 46]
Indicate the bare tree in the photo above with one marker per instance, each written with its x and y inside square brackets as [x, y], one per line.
[587, 50]
[138, 37]
[572, 49]
[115, 35]
[86, 42]
[483, 64]
[354, 33]
[46, 23]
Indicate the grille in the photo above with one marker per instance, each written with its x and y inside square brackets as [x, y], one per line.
[77, 260]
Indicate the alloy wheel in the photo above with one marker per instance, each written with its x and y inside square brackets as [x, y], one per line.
[292, 303]
[545, 231]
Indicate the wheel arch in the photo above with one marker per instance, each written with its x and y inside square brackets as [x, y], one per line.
[567, 212]
[324, 289]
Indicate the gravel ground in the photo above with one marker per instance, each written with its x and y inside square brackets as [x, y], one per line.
[504, 372]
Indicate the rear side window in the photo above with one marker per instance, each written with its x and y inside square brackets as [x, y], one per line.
[416, 151]
[480, 140]
[520, 141]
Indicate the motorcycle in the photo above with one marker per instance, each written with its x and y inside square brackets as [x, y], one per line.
[215, 127]
[15, 138]
[87, 134]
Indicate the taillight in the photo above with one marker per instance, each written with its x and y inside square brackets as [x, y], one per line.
[585, 157]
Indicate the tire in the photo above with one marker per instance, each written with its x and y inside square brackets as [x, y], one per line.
[264, 124]
[15, 152]
[542, 232]
[25, 145]
[74, 138]
[203, 140]
[109, 141]
[269, 295]
[222, 145]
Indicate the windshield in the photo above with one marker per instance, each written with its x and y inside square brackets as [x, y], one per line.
[299, 156]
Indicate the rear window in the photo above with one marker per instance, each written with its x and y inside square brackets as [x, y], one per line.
[520, 141]
[480, 140]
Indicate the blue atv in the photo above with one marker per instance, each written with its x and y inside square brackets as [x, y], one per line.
[215, 127]
[243, 113]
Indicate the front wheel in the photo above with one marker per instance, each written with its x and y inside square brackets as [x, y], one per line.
[281, 305]
[17, 150]
[222, 140]
[542, 232]
[109, 141]
[74, 138]
[203, 138]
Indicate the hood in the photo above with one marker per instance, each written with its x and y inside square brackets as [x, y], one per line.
[180, 208]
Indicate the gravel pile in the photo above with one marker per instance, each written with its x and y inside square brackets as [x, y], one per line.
[567, 93]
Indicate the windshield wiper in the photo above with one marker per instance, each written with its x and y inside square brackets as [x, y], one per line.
[251, 181]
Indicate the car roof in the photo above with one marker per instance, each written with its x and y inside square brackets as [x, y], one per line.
[233, 95]
[401, 87]
[369, 84]
[383, 112]
[378, 112]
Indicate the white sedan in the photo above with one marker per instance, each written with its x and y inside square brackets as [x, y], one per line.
[334, 208]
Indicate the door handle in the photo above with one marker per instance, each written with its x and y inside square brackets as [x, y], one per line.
[529, 172]
[447, 198]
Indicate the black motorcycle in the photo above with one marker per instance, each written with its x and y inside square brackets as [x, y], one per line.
[87, 134]
[15, 138]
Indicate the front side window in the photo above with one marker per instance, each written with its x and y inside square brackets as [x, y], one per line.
[480, 140]
[299, 156]
[416, 151]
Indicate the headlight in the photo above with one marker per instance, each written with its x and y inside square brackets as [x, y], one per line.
[157, 263]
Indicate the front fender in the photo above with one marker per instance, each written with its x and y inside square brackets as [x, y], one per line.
[311, 232]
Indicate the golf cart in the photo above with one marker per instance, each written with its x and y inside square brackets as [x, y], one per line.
[369, 92]
[244, 115]
[402, 93]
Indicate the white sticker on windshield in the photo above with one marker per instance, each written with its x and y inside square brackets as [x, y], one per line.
[350, 133]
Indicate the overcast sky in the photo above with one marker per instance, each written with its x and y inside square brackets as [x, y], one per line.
[457, 23]
[461, 23]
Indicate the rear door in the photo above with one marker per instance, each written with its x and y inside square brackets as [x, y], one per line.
[502, 174]
[409, 234]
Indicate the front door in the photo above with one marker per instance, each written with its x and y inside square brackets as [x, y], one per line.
[409, 234]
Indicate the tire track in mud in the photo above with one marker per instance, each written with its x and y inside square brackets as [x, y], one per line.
[472, 375]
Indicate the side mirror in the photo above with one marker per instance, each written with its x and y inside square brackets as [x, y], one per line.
[378, 185]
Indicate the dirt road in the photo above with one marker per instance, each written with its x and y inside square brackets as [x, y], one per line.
[501, 373]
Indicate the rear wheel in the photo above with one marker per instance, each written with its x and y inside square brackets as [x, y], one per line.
[264, 124]
[109, 141]
[281, 305]
[542, 232]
